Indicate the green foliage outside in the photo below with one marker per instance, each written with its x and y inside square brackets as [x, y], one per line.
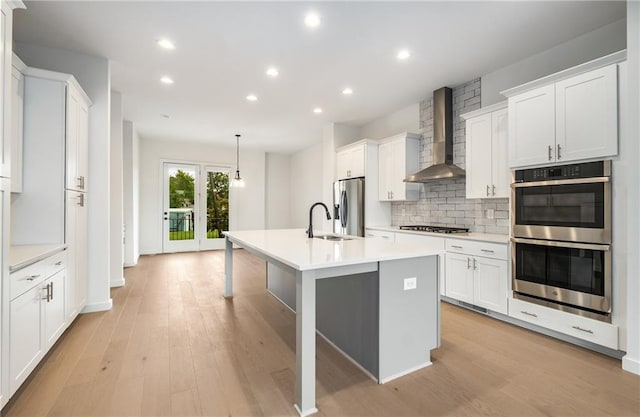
[188, 235]
[181, 190]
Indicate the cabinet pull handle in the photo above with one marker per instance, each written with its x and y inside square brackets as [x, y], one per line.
[456, 246]
[582, 330]
[487, 250]
[58, 263]
[32, 277]
[558, 152]
[468, 263]
[475, 264]
[549, 149]
[81, 200]
[487, 190]
[493, 189]
[529, 314]
[51, 292]
[391, 194]
[385, 237]
[48, 293]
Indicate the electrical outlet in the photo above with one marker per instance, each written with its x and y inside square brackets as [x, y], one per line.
[491, 213]
[410, 283]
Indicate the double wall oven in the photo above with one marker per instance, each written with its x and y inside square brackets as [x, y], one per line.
[561, 226]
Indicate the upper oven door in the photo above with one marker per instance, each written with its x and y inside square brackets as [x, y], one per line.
[577, 210]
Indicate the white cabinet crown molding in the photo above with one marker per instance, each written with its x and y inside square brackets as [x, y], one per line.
[15, 4]
[403, 135]
[484, 110]
[58, 76]
[18, 63]
[356, 144]
[613, 58]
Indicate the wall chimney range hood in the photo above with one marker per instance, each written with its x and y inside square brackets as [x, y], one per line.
[443, 166]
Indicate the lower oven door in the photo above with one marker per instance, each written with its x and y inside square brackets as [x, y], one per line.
[574, 274]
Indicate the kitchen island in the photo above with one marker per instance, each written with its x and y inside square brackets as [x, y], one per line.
[380, 297]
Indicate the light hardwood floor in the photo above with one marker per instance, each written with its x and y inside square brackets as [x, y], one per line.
[172, 345]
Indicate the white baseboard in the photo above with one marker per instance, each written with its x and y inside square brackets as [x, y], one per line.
[95, 307]
[117, 283]
[403, 373]
[130, 265]
[306, 412]
[631, 364]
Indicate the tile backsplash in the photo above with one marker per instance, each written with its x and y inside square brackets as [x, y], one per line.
[443, 202]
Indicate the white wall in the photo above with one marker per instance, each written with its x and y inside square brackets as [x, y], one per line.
[631, 361]
[600, 42]
[277, 194]
[403, 120]
[116, 221]
[306, 187]
[131, 189]
[94, 76]
[247, 204]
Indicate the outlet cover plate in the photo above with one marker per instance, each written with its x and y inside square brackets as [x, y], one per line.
[410, 283]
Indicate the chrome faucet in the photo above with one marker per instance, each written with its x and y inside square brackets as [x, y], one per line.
[310, 229]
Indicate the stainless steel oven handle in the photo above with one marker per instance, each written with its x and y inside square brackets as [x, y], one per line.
[571, 181]
[560, 244]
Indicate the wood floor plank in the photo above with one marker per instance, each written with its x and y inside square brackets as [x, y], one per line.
[174, 346]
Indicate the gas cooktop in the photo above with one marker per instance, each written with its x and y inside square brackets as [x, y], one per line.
[435, 229]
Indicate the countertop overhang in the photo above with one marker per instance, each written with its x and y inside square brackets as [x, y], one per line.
[293, 248]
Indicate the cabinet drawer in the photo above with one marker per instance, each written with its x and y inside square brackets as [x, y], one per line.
[54, 263]
[593, 331]
[26, 278]
[476, 248]
[380, 234]
[426, 242]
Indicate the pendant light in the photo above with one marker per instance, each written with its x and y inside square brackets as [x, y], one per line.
[237, 180]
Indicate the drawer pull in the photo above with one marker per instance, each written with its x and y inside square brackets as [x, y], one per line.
[32, 277]
[529, 314]
[582, 330]
[487, 250]
[58, 263]
[456, 246]
[385, 237]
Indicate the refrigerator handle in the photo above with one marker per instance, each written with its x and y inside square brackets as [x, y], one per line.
[344, 206]
[336, 211]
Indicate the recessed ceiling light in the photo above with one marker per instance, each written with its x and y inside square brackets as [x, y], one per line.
[403, 54]
[312, 20]
[272, 72]
[317, 110]
[166, 80]
[166, 44]
[252, 97]
[347, 91]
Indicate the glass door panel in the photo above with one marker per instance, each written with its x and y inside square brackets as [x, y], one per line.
[216, 207]
[180, 207]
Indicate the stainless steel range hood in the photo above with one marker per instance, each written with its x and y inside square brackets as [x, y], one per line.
[443, 166]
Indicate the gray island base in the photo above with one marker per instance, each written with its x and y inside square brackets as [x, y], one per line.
[353, 294]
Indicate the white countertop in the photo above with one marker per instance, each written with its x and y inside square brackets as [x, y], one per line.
[292, 247]
[25, 255]
[483, 237]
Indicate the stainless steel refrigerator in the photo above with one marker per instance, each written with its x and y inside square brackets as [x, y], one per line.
[348, 207]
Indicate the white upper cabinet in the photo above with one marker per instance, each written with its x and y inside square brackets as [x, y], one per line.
[587, 115]
[350, 161]
[486, 151]
[569, 116]
[398, 156]
[77, 138]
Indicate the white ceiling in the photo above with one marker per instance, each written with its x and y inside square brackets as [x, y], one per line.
[224, 48]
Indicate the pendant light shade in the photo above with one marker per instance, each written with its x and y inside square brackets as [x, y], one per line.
[237, 180]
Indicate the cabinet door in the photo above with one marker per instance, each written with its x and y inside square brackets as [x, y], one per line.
[398, 170]
[491, 284]
[385, 169]
[54, 308]
[478, 138]
[71, 140]
[82, 154]
[357, 161]
[81, 254]
[587, 115]
[532, 127]
[500, 173]
[25, 336]
[342, 164]
[17, 112]
[459, 280]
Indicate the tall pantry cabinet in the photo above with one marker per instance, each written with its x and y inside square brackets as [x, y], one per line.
[6, 52]
[52, 208]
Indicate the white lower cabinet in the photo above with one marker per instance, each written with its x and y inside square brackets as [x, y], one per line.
[380, 234]
[36, 315]
[477, 273]
[584, 328]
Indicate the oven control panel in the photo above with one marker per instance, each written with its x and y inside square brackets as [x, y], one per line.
[563, 172]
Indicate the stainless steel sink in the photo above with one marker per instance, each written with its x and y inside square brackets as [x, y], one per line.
[333, 237]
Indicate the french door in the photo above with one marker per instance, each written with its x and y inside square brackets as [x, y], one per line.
[196, 207]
